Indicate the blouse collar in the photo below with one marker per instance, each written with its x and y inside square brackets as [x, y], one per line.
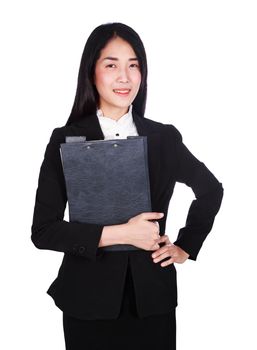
[123, 119]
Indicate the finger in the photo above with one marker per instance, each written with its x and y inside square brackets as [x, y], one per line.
[162, 250]
[165, 238]
[162, 238]
[156, 223]
[152, 215]
[158, 252]
[155, 247]
[158, 228]
[167, 262]
[162, 256]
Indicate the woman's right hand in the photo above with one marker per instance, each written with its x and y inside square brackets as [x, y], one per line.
[143, 233]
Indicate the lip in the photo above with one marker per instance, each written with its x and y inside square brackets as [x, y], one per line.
[121, 93]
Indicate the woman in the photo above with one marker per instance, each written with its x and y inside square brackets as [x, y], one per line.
[124, 298]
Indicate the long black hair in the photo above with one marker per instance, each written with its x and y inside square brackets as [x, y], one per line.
[86, 98]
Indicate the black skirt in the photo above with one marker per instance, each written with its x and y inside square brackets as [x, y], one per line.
[127, 331]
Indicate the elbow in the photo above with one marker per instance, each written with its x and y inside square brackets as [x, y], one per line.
[220, 191]
[36, 235]
[217, 196]
[35, 241]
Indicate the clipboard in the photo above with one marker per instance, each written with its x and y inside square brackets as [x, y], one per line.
[107, 181]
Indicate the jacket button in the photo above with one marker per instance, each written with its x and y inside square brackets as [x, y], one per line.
[81, 250]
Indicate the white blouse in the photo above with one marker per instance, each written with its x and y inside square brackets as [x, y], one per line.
[117, 129]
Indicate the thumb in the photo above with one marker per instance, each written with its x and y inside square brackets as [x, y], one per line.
[152, 215]
[155, 247]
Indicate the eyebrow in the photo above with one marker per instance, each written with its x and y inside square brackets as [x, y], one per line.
[116, 59]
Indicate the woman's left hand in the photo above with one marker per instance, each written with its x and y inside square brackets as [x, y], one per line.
[176, 254]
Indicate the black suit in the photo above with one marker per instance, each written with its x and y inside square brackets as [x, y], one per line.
[90, 282]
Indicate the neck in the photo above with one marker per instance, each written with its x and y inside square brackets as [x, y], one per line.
[115, 114]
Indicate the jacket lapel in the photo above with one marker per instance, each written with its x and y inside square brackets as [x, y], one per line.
[92, 130]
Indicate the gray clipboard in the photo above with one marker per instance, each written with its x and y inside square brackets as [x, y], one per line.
[107, 181]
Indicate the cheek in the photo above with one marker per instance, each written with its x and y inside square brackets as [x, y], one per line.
[102, 79]
[137, 79]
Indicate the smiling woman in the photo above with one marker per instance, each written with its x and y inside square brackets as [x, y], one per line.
[118, 82]
[121, 299]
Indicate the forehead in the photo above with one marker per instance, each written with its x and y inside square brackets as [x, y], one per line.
[117, 47]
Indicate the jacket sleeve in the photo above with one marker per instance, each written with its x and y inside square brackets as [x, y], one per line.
[208, 193]
[49, 230]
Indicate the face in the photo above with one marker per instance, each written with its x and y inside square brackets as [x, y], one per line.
[117, 77]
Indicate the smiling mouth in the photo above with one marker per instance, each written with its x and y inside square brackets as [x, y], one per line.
[122, 92]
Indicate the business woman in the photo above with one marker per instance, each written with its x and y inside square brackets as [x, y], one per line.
[121, 299]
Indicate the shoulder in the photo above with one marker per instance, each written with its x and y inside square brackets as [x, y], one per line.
[168, 130]
[58, 134]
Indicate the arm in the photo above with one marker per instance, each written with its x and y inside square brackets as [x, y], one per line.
[113, 234]
[208, 192]
[49, 230]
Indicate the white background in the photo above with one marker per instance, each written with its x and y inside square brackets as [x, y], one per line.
[203, 79]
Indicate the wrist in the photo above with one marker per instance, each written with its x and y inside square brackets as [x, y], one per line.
[123, 234]
[114, 234]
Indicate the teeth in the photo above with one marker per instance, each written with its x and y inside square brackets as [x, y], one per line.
[122, 91]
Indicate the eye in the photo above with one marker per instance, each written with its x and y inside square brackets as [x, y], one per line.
[134, 65]
[110, 65]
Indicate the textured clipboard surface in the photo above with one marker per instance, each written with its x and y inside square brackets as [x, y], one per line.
[107, 181]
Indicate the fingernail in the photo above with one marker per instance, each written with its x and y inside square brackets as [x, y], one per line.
[161, 215]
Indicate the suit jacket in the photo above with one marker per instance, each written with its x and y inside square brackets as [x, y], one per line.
[90, 281]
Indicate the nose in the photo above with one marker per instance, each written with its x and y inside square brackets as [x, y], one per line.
[123, 76]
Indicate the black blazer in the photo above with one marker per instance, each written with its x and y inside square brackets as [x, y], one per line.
[90, 281]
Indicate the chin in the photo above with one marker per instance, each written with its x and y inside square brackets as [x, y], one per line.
[122, 105]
